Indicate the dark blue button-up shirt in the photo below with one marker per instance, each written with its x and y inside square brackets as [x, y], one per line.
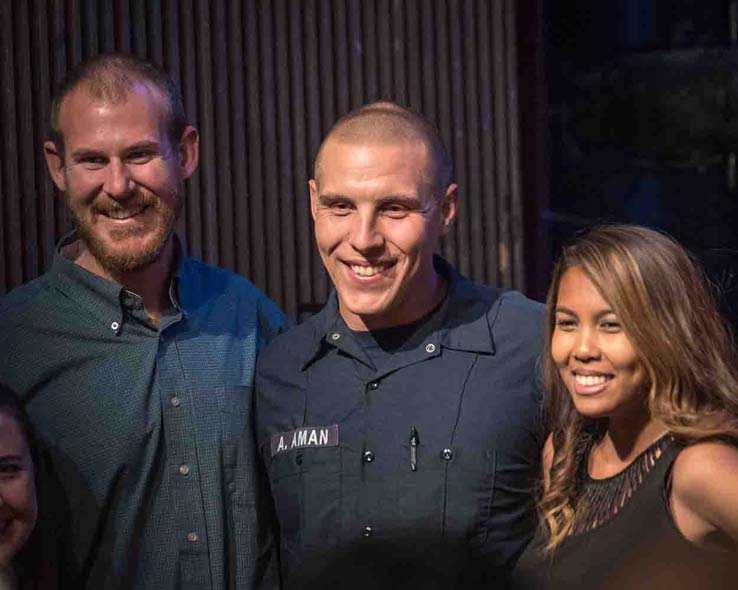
[452, 424]
[147, 428]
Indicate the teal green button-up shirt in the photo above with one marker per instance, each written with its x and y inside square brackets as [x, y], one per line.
[147, 429]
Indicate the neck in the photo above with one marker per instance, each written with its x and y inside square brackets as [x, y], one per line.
[628, 436]
[151, 282]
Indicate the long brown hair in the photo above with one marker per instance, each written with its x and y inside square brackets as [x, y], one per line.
[670, 317]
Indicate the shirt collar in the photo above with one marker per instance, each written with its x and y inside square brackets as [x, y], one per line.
[466, 325]
[105, 300]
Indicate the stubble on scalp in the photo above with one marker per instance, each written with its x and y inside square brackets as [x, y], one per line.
[387, 123]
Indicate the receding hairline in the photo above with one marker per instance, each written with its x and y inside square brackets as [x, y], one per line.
[386, 123]
[112, 78]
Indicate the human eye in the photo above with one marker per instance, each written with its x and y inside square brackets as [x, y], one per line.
[92, 162]
[565, 323]
[139, 157]
[8, 469]
[610, 325]
[395, 210]
[339, 207]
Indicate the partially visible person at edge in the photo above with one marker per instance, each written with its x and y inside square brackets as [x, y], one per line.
[640, 486]
[21, 562]
[401, 426]
[135, 362]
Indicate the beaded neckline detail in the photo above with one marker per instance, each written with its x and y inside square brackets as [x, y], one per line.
[601, 499]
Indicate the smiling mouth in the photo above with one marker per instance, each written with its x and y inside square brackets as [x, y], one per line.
[591, 379]
[591, 382]
[123, 214]
[369, 270]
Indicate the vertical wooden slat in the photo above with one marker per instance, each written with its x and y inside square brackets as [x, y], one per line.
[301, 162]
[217, 58]
[269, 145]
[460, 131]
[12, 221]
[122, 26]
[397, 40]
[501, 145]
[413, 50]
[27, 194]
[239, 155]
[384, 49]
[41, 103]
[356, 49]
[476, 245]
[516, 199]
[445, 106]
[253, 110]
[487, 132]
[191, 220]
[286, 222]
[314, 118]
[106, 19]
[341, 45]
[154, 31]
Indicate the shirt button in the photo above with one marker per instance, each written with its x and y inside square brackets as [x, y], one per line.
[184, 469]
[175, 401]
[368, 457]
[367, 531]
[429, 348]
[114, 326]
[193, 537]
[374, 385]
[447, 454]
[335, 336]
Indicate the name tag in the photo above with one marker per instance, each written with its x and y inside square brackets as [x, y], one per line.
[305, 438]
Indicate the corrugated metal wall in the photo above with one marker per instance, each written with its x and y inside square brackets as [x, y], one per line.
[264, 80]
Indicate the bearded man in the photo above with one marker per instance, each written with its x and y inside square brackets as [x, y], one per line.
[134, 361]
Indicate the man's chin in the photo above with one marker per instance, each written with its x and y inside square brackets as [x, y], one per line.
[127, 255]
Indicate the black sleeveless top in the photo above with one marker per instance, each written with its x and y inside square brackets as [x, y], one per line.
[627, 538]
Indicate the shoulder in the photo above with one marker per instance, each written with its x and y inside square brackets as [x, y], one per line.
[513, 306]
[289, 348]
[23, 302]
[703, 491]
[225, 287]
[703, 466]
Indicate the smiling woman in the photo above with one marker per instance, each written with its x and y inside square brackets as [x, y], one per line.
[640, 482]
[18, 508]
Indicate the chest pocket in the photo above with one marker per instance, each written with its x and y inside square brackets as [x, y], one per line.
[469, 494]
[306, 487]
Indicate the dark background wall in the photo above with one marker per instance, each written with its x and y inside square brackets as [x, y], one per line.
[264, 80]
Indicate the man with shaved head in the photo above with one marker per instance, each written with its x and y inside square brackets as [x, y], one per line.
[135, 362]
[400, 426]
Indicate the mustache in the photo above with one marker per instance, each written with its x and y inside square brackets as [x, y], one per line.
[108, 206]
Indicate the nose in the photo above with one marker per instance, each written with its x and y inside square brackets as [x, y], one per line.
[117, 180]
[365, 234]
[586, 347]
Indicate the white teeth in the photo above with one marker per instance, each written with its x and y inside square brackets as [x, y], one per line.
[590, 379]
[122, 213]
[366, 271]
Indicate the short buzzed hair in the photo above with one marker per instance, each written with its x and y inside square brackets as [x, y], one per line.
[111, 77]
[386, 122]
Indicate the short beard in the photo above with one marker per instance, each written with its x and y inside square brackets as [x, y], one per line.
[131, 261]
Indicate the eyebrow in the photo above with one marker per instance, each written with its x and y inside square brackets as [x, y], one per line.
[143, 145]
[411, 200]
[566, 310]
